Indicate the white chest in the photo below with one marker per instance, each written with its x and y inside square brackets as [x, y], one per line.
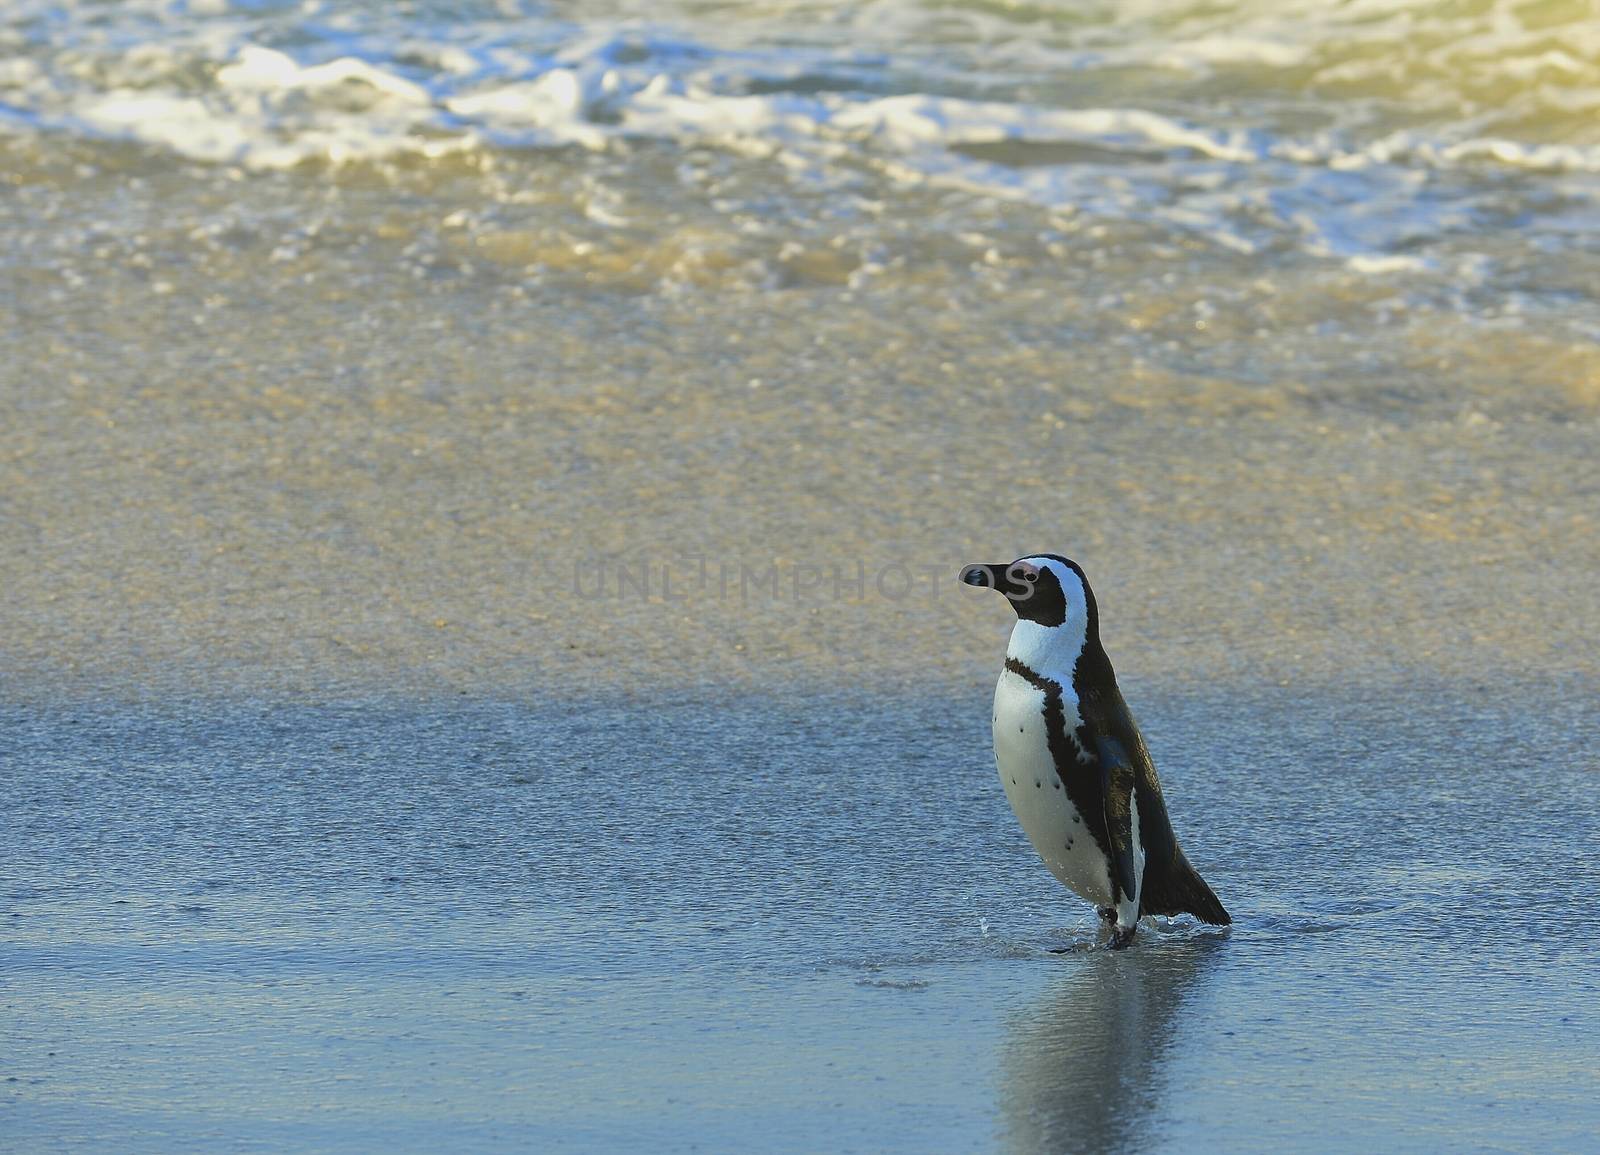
[1033, 787]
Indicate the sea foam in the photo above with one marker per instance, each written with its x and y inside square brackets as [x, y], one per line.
[1340, 140]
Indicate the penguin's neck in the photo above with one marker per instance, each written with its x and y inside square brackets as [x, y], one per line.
[1049, 651]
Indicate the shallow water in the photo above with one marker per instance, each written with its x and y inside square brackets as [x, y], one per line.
[781, 924]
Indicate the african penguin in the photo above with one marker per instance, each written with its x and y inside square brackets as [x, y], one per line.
[1071, 758]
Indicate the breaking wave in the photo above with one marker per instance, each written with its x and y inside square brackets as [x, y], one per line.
[1362, 133]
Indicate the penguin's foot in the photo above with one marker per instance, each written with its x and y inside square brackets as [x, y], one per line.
[1121, 937]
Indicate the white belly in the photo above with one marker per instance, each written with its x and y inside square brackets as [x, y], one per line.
[1028, 773]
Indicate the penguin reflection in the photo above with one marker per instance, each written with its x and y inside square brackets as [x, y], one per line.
[1082, 1069]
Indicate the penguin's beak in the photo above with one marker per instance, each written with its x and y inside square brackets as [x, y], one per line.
[1012, 578]
[985, 575]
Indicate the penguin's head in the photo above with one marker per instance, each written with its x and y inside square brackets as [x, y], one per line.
[1044, 588]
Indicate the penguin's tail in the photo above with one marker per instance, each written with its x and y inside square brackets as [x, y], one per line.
[1180, 890]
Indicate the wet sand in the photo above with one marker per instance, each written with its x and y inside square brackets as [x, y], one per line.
[327, 473]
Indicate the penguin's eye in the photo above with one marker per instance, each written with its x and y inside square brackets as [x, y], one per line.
[1030, 577]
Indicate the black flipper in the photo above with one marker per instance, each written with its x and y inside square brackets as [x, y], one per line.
[1117, 779]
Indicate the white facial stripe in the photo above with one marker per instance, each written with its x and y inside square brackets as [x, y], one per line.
[1071, 584]
[1053, 650]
